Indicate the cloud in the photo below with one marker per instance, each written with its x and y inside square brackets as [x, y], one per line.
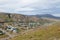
[58, 15]
[30, 6]
[24, 9]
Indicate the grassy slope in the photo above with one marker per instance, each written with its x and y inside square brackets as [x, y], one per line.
[50, 33]
[3, 36]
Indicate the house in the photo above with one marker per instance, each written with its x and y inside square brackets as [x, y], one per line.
[24, 25]
[11, 28]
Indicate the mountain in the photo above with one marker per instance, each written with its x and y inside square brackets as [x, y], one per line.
[45, 16]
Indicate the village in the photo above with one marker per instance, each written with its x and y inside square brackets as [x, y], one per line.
[16, 27]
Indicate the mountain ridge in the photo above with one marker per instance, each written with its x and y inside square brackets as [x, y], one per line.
[45, 15]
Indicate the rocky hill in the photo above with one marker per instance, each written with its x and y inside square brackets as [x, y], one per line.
[16, 19]
[13, 23]
[11, 17]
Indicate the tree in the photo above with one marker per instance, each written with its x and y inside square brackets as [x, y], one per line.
[9, 15]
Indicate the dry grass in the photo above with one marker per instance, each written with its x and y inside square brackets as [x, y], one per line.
[50, 33]
[3, 36]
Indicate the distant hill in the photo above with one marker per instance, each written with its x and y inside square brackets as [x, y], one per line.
[45, 16]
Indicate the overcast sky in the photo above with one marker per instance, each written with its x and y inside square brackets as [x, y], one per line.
[30, 7]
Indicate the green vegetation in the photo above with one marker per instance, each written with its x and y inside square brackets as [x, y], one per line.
[49, 33]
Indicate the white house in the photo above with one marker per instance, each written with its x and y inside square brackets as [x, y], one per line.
[13, 29]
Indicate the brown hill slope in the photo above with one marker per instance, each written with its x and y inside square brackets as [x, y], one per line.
[50, 33]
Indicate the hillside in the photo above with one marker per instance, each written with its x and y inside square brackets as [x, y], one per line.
[12, 24]
[19, 18]
[11, 17]
[52, 32]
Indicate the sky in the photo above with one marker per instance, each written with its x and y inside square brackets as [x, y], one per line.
[31, 7]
